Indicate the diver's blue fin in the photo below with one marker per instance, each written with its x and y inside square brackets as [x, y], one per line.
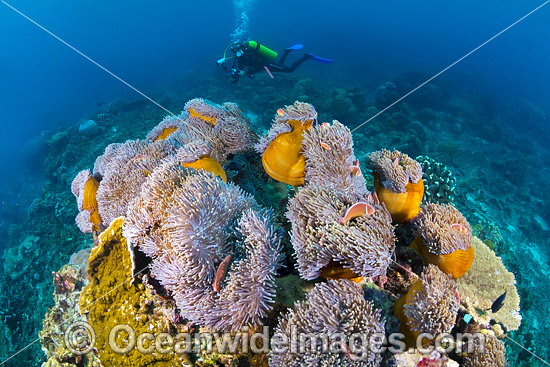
[297, 46]
[322, 60]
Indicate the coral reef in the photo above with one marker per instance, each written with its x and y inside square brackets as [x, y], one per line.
[439, 183]
[342, 107]
[89, 129]
[386, 94]
[486, 280]
[214, 253]
[334, 307]
[18, 260]
[443, 238]
[398, 183]
[6, 346]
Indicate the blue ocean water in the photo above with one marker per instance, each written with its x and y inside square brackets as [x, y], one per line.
[171, 47]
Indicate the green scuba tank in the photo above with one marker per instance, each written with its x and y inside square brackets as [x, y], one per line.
[262, 50]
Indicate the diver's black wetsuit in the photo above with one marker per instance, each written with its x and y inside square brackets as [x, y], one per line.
[251, 61]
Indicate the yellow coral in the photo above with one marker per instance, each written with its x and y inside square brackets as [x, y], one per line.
[67, 287]
[486, 280]
[112, 298]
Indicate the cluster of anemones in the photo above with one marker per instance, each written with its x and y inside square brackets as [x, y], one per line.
[217, 252]
[338, 229]
[333, 308]
[201, 136]
[212, 247]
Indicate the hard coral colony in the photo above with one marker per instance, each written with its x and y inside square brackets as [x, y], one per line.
[209, 254]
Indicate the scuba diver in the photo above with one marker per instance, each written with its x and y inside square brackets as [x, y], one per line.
[250, 57]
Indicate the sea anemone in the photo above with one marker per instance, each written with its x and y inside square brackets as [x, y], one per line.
[196, 154]
[490, 353]
[398, 183]
[84, 187]
[443, 238]
[334, 310]
[204, 109]
[283, 157]
[337, 166]
[103, 160]
[363, 245]
[190, 222]
[125, 172]
[223, 127]
[430, 306]
[166, 127]
[235, 131]
[250, 286]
